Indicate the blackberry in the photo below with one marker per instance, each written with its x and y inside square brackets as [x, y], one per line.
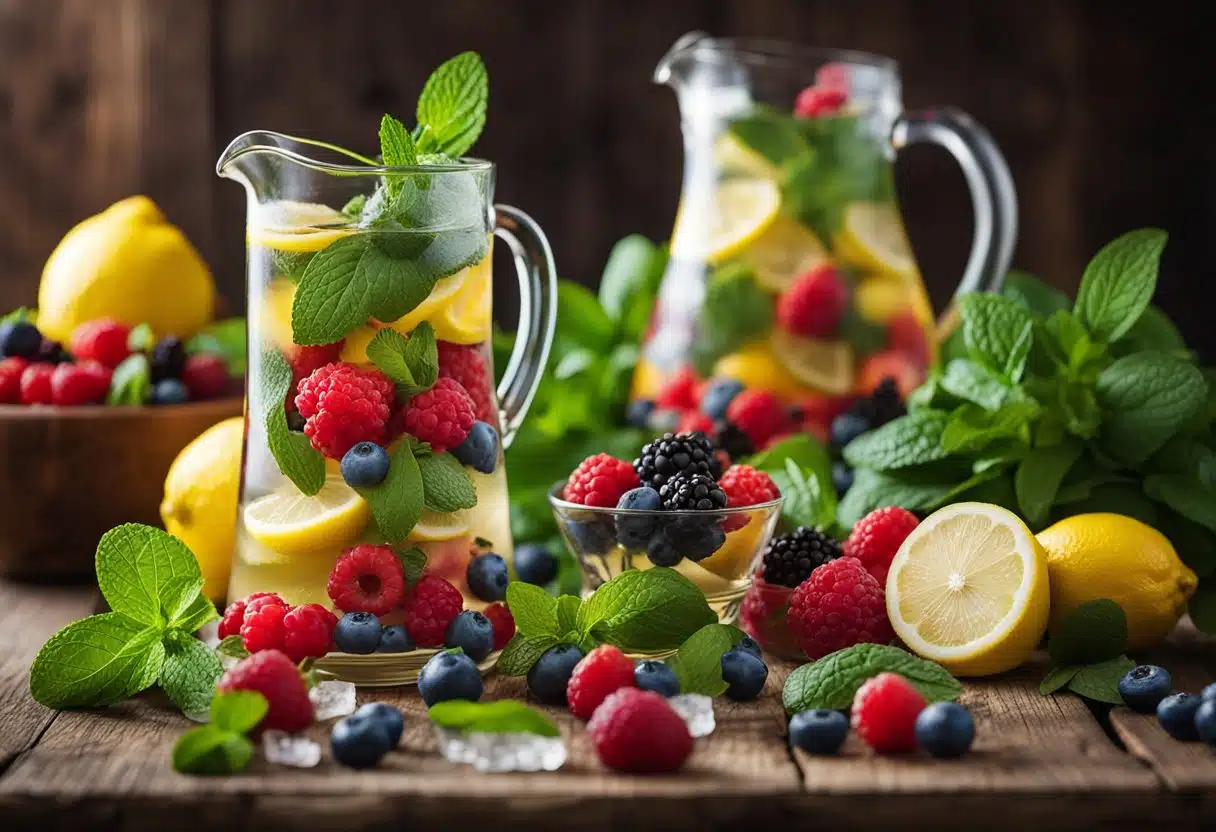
[692, 492]
[674, 454]
[168, 358]
[885, 403]
[728, 437]
[789, 559]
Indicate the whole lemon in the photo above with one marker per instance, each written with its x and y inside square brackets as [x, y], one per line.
[200, 504]
[128, 263]
[1092, 556]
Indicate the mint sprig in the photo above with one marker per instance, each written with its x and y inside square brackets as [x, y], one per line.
[299, 461]
[499, 717]
[452, 106]
[412, 363]
[446, 485]
[831, 682]
[1087, 647]
[221, 746]
[397, 502]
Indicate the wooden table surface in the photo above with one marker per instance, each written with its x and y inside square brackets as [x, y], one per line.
[1038, 761]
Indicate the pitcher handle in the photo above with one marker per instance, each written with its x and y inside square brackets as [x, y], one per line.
[992, 193]
[537, 315]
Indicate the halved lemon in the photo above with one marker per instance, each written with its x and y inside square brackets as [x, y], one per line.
[756, 365]
[737, 214]
[440, 525]
[969, 589]
[825, 365]
[872, 238]
[293, 226]
[291, 523]
[734, 158]
[784, 251]
[466, 317]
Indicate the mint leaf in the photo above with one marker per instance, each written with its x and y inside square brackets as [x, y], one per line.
[832, 681]
[1115, 498]
[874, 489]
[1033, 293]
[807, 501]
[1146, 398]
[913, 439]
[233, 646]
[1015, 364]
[502, 716]
[297, 459]
[413, 564]
[412, 363]
[972, 382]
[1184, 495]
[1038, 479]
[21, 313]
[567, 613]
[522, 652]
[645, 610]
[771, 134]
[736, 310]
[1195, 544]
[1056, 678]
[580, 319]
[1202, 608]
[422, 356]
[804, 450]
[209, 750]
[1100, 682]
[141, 338]
[626, 274]
[992, 326]
[535, 610]
[1153, 330]
[353, 209]
[190, 672]
[971, 428]
[1188, 457]
[453, 105]
[239, 711]
[1093, 632]
[396, 147]
[446, 485]
[131, 383]
[397, 502]
[698, 663]
[387, 351]
[96, 661]
[1119, 283]
[147, 574]
[291, 264]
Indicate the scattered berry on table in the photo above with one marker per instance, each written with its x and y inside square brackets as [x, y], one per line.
[11, 370]
[277, 678]
[390, 719]
[602, 671]
[637, 413]
[52, 352]
[694, 420]
[234, 613]
[205, 376]
[846, 427]
[357, 633]
[308, 632]
[691, 537]
[487, 577]
[814, 304]
[877, 537]
[473, 633]
[367, 578]
[442, 416]
[1205, 721]
[306, 360]
[103, 340]
[840, 605]
[759, 414]
[548, 678]
[1209, 692]
[674, 454]
[169, 391]
[168, 358]
[365, 464]
[1144, 686]
[594, 536]
[262, 625]
[842, 477]
[467, 366]
[744, 673]
[430, 606]
[448, 676]
[359, 740]
[635, 531]
[945, 729]
[745, 486]
[35, 384]
[77, 384]
[638, 731]
[818, 101]
[718, 394]
[344, 404]
[599, 480]
[728, 437]
[791, 558]
[503, 623]
[819, 731]
[1176, 713]
[20, 339]
[884, 713]
[658, 677]
[692, 492]
[750, 645]
[679, 391]
[535, 564]
[394, 639]
[479, 450]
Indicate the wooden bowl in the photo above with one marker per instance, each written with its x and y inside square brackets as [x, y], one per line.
[71, 474]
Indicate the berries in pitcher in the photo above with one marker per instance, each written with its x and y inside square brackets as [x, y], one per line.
[466, 365]
[344, 404]
[367, 578]
[815, 304]
[479, 450]
[365, 464]
[442, 416]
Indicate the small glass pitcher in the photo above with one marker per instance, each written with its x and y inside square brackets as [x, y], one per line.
[429, 268]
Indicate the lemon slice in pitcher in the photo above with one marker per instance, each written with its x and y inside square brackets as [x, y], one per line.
[738, 214]
[784, 251]
[291, 523]
[440, 525]
[298, 227]
[466, 317]
[734, 158]
[872, 238]
[969, 589]
[825, 365]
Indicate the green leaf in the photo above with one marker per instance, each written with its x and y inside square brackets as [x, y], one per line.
[21, 313]
[1195, 544]
[353, 209]
[626, 274]
[771, 134]
[226, 339]
[131, 383]
[567, 613]
[913, 439]
[971, 428]
[1093, 632]
[1056, 678]
[297, 459]
[413, 564]
[1038, 479]
[502, 716]
[1119, 283]
[992, 326]
[809, 501]
[736, 310]
[446, 485]
[874, 489]
[453, 105]
[422, 356]
[645, 610]
[1146, 398]
[1114, 498]
[807, 452]
[1015, 365]
[396, 146]
[1153, 330]
[197, 613]
[1034, 294]
[535, 610]
[97, 661]
[190, 672]
[581, 320]
[141, 338]
[397, 502]
[1202, 608]
[233, 646]
[1100, 682]
[972, 382]
[698, 663]
[522, 652]
[1187, 457]
[209, 750]
[147, 574]
[387, 351]
[1186, 496]
[238, 711]
[832, 681]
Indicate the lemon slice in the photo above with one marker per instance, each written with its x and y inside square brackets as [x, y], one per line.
[824, 365]
[299, 227]
[292, 523]
[784, 251]
[274, 312]
[969, 589]
[354, 347]
[466, 317]
[738, 213]
[440, 525]
[756, 365]
[872, 238]
[734, 158]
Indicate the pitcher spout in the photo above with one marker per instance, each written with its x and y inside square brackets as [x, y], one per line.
[673, 64]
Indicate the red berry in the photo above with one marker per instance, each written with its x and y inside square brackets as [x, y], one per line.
[603, 671]
[745, 486]
[814, 412]
[277, 678]
[503, 621]
[763, 617]
[814, 102]
[906, 336]
[11, 370]
[679, 391]
[103, 340]
[637, 731]
[367, 578]
[441, 416]
[76, 384]
[877, 537]
[466, 365]
[840, 605]
[262, 624]
[833, 76]
[234, 614]
[692, 420]
[430, 606]
[36, 383]
[884, 713]
[905, 372]
[814, 304]
[305, 361]
[600, 480]
[308, 632]
[759, 414]
[344, 404]
[205, 376]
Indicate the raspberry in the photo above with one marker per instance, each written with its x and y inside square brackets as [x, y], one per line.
[884, 713]
[262, 623]
[762, 616]
[76, 384]
[695, 420]
[367, 578]
[905, 373]
[840, 605]
[818, 101]
[308, 632]
[430, 606]
[36, 383]
[906, 336]
[503, 621]
[603, 671]
[814, 304]
[442, 416]
[791, 558]
[305, 361]
[877, 537]
[759, 414]
[745, 486]
[205, 376]
[103, 340]
[600, 480]
[11, 370]
[276, 677]
[833, 76]
[234, 614]
[679, 391]
[637, 731]
[467, 366]
[344, 405]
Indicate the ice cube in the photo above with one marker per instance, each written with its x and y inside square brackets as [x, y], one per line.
[290, 750]
[489, 752]
[332, 699]
[203, 716]
[697, 711]
[209, 634]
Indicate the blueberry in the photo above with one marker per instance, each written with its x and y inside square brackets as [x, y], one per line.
[395, 639]
[1205, 721]
[390, 719]
[19, 338]
[945, 729]
[295, 421]
[479, 450]
[696, 538]
[744, 673]
[638, 412]
[848, 426]
[487, 577]
[1176, 713]
[842, 477]
[1209, 692]
[661, 552]
[1145, 686]
[169, 391]
[819, 731]
[168, 358]
[365, 464]
[718, 395]
[449, 676]
[52, 352]
[534, 564]
[634, 531]
[591, 537]
[473, 633]
[749, 645]
[548, 678]
[656, 676]
[360, 740]
[358, 633]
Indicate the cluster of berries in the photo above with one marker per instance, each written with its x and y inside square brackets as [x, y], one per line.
[1187, 717]
[867, 413]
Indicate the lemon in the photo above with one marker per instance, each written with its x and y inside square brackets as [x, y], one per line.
[440, 525]
[872, 238]
[1091, 556]
[880, 298]
[734, 158]
[825, 365]
[297, 227]
[294, 524]
[735, 217]
[354, 348]
[274, 313]
[467, 317]
[756, 365]
[784, 251]
[444, 292]
[200, 502]
[128, 263]
[969, 589]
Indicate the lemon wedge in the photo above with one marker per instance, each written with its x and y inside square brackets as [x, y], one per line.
[824, 365]
[969, 589]
[294, 524]
[872, 237]
[434, 526]
[466, 317]
[784, 251]
[297, 227]
[734, 158]
[736, 216]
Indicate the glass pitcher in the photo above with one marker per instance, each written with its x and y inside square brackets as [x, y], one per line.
[325, 285]
[790, 271]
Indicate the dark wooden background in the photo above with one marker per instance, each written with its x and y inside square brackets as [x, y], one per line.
[1104, 111]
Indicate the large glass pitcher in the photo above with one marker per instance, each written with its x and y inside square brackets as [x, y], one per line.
[338, 297]
[790, 271]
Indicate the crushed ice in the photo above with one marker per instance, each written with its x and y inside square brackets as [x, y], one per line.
[332, 699]
[290, 750]
[697, 712]
[490, 752]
